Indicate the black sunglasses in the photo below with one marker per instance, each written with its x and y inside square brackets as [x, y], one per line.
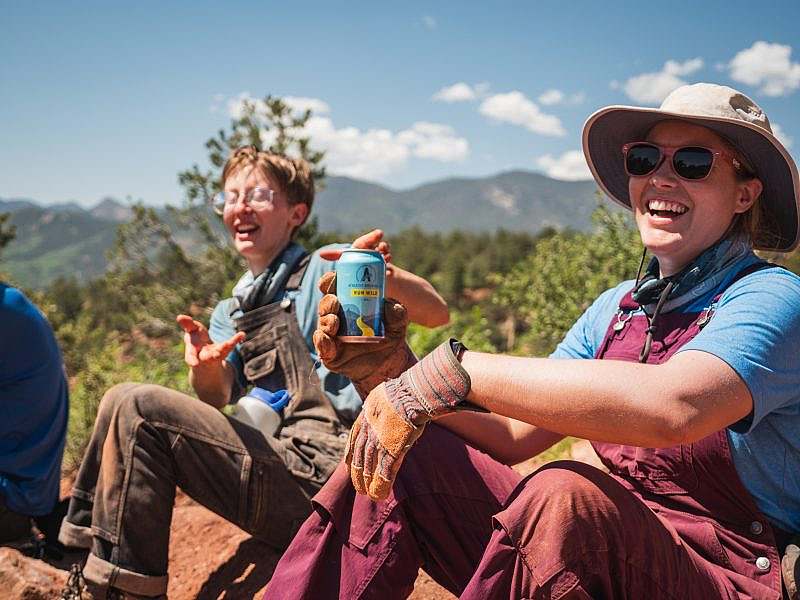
[688, 162]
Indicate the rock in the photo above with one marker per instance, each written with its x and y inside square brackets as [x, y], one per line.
[23, 578]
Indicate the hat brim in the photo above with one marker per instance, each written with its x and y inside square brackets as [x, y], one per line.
[605, 132]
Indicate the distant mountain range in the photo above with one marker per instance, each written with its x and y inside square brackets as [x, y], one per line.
[66, 239]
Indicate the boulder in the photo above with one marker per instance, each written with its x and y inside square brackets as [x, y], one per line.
[23, 578]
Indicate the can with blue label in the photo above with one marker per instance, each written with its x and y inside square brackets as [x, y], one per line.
[360, 280]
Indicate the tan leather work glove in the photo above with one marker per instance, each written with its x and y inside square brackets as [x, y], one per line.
[395, 414]
[365, 364]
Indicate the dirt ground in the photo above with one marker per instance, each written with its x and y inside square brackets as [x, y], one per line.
[210, 559]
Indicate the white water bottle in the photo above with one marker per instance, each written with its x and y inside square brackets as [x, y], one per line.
[262, 409]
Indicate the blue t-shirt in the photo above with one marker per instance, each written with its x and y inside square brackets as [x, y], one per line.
[33, 406]
[756, 330]
[341, 392]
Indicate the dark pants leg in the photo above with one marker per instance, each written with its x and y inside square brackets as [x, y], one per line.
[438, 517]
[571, 531]
[13, 525]
[147, 440]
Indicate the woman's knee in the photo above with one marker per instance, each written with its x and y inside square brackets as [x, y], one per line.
[564, 501]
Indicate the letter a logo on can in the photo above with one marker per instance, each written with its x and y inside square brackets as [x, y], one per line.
[364, 274]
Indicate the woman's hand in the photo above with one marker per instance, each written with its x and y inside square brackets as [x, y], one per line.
[395, 414]
[366, 364]
[200, 352]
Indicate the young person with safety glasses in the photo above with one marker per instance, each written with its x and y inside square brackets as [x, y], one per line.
[686, 380]
[148, 439]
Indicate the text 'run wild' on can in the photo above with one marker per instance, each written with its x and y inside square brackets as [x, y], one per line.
[360, 279]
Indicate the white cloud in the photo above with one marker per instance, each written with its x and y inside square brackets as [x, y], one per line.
[300, 104]
[652, 88]
[685, 68]
[551, 97]
[434, 141]
[570, 166]
[429, 22]
[461, 92]
[514, 107]
[784, 137]
[768, 66]
[578, 98]
[458, 92]
[370, 153]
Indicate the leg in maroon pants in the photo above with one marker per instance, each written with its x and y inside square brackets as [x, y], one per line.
[571, 531]
[438, 516]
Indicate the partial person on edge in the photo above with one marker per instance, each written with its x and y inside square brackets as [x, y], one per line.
[34, 403]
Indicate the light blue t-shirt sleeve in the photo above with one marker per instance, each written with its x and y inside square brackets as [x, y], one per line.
[585, 336]
[756, 330]
[221, 328]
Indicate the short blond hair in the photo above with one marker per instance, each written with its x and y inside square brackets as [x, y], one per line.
[292, 174]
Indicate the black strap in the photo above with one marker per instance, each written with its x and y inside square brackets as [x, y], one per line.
[296, 278]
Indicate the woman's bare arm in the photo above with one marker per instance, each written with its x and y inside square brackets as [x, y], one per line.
[688, 397]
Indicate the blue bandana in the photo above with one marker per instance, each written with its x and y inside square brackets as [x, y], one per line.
[704, 273]
[255, 291]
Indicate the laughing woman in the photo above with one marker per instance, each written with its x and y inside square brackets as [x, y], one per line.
[687, 382]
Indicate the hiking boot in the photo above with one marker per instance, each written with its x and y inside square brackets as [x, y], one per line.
[14, 526]
[78, 588]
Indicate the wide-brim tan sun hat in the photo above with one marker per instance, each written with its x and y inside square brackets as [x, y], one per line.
[728, 113]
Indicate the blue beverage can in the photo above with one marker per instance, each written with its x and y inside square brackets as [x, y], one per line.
[360, 280]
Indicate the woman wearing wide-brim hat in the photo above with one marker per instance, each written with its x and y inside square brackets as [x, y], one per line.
[687, 382]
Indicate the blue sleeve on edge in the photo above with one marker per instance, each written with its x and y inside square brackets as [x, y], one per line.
[756, 330]
[585, 336]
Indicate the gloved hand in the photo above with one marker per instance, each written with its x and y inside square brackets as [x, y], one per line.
[395, 415]
[365, 364]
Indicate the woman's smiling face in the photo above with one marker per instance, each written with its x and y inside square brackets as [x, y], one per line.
[679, 218]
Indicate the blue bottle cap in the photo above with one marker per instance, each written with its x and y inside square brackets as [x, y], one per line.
[276, 400]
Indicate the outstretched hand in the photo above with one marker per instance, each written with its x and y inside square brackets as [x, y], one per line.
[200, 351]
[365, 364]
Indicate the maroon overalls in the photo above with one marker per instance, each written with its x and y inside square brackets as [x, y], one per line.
[666, 523]
[694, 486]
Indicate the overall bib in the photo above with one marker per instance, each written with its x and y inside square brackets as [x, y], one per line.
[276, 357]
[693, 486]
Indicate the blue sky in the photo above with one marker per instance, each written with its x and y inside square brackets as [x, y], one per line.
[102, 99]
